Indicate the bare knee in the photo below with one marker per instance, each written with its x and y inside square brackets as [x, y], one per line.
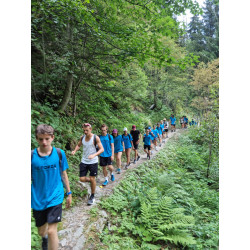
[83, 179]
[52, 230]
[43, 230]
[92, 178]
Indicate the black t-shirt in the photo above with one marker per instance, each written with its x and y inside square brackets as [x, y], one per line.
[135, 135]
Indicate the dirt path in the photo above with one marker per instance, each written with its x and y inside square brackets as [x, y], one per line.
[78, 222]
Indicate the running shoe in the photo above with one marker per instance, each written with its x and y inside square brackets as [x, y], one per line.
[105, 183]
[44, 243]
[126, 167]
[149, 157]
[112, 177]
[134, 161]
[138, 158]
[118, 171]
[91, 199]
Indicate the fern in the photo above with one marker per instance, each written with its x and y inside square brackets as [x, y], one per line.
[163, 221]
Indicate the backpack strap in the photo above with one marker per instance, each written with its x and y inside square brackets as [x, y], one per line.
[95, 140]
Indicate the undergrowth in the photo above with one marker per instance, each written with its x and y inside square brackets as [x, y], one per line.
[165, 202]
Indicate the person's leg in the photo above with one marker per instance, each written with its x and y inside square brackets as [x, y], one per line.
[92, 184]
[83, 172]
[111, 170]
[120, 159]
[128, 151]
[105, 171]
[43, 230]
[52, 236]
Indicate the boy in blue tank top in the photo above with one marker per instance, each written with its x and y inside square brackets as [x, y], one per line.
[48, 174]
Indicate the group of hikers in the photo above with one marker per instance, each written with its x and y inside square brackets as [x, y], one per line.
[49, 165]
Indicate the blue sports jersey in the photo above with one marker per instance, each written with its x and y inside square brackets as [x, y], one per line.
[47, 187]
[127, 140]
[155, 132]
[118, 143]
[147, 139]
[173, 120]
[159, 129]
[106, 143]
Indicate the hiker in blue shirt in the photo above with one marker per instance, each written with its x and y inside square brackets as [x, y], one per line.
[152, 136]
[48, 174]
[172, 122]
[119, 148]
[107, 156]
[128, 142]
[147, 143]
[159, 129]
[185, 121]
[156, 135]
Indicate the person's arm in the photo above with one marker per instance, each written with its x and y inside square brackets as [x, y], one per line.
[66, 184]
[139, 139]
[101, 149]
[78, 146]
[113, 150]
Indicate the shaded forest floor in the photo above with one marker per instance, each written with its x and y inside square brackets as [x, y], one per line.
[81, 223]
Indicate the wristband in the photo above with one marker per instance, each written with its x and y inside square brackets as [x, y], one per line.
[69, 193]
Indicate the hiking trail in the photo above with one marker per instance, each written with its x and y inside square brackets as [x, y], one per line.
[78, 224]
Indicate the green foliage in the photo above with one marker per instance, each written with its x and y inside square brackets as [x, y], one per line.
[166, 201]
[35, 238]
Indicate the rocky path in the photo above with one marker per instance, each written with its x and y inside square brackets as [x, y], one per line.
[79, 222]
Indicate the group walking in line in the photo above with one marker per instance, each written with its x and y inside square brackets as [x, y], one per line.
[49, 165]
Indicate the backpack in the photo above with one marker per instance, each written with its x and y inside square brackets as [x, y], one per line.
[129, 135]
[60, 161]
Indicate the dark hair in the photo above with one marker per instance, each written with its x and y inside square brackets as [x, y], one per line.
[104, 125]
[45, 129]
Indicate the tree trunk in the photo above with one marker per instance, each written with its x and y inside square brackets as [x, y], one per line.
[67, 93]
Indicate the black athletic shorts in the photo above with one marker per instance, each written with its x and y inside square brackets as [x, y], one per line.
[166, 130]
[173, 125]
[104, 161]
[147, 147]
[50, 215]
[92, 168]
[136, 146]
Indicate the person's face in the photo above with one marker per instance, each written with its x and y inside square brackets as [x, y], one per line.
[133, 129]
[125, 132]
[104, 130]
[114, 134]
[87, 130]
[44, 140]
[147, 132]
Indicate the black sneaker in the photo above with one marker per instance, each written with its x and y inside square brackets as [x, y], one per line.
[149, 157]
[138, 158]
[134, 161]
[44, 243]
[91, 199]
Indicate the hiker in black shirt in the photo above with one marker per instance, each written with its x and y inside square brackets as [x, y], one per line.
[136, 135]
